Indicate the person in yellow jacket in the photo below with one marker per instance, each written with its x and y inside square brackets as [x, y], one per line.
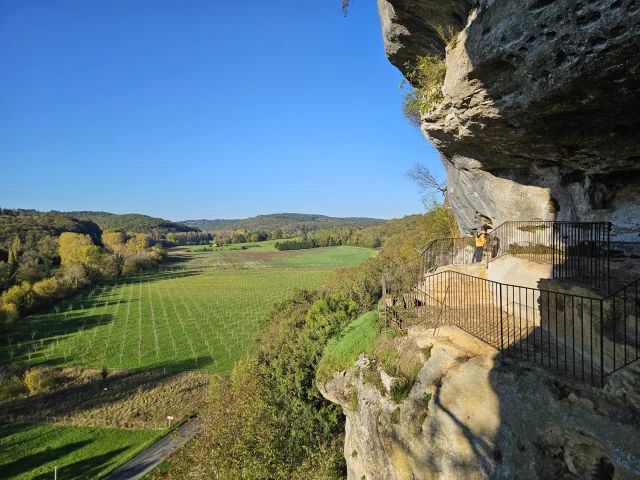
[481, 241]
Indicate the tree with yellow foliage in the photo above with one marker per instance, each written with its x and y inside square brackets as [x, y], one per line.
[139, 242]
[70, 243]
[113, 239]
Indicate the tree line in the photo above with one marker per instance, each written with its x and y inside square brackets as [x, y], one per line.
[222, 237]
[296, 245]
[158, 228]
[292, 224]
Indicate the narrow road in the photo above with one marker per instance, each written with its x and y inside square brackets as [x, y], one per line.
[146, 460]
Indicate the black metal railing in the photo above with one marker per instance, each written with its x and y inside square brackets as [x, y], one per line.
[530, 240]
[450, 251]
[577, 251]
[583, 337]
[621, 312]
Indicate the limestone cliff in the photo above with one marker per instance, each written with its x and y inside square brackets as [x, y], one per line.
[469, 416]
[541, 110]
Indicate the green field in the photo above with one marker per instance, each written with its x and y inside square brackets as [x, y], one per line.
[182, 319]
[263, 254]
[266, 246]
[32, 451]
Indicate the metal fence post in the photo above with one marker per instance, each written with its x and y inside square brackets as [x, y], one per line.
[609, 258]
[501, 329]
[602, 340]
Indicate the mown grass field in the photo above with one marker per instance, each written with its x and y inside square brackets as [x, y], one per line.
[30, 452]
[180, 319]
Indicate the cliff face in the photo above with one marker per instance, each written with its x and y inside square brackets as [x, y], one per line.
[468, 416]
[541, 110]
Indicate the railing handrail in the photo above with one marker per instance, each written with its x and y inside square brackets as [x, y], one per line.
[433, 298]
[428, 246]
[578, 251]
[621, 289]
[582, 351]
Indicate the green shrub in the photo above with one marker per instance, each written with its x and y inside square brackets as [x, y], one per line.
[49, 289]
[8, 315]
[11, 387]
[19, 295]
[39, 380]
[295, 245]
[533, 249]
[426, 77]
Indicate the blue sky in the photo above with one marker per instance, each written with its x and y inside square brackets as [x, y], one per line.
[203, 109]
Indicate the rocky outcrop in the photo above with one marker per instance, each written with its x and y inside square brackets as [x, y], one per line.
[540, 118]
[470, 416]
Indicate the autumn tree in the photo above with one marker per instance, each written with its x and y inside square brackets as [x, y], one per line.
[74, 274]
[14, 252]
[48, 250]
[29, 268]
[70, 243]
[237, 238]
[139, 242]
[113, 239]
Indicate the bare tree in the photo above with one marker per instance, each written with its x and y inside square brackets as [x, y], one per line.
[345, 6]
[431, 188]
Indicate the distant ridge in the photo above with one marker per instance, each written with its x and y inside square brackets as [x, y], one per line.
[130, 222]
[288, 222]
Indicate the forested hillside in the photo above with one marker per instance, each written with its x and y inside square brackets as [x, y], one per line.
[287, 222]
[31, 226]
[132, 222]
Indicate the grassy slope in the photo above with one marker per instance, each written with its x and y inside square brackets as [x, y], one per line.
[31, 451]
[163, 321]
[343, 350]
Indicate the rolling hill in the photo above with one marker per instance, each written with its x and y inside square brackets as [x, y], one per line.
[131, 222]
[288, 222]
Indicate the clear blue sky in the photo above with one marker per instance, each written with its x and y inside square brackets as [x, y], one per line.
[202, 109]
